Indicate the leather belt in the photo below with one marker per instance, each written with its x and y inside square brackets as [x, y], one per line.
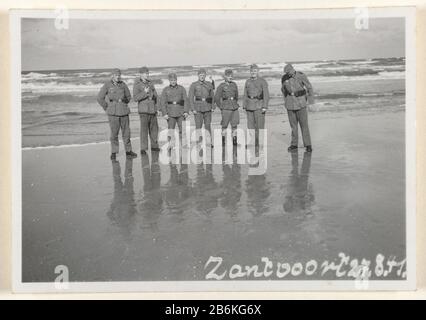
[208, 100]
[175, 102]
[298, 93]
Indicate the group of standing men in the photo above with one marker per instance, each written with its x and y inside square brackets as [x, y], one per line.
[175, 105]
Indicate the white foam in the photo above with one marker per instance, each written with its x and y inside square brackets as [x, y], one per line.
[76, 145]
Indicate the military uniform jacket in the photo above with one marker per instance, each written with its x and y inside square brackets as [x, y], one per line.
[256, 94]
[147, 100]
[290, 88]
[226, 96]
[174, 101]
[114, 97]
[204, 91]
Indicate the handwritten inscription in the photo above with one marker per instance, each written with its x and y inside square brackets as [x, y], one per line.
[345, 267]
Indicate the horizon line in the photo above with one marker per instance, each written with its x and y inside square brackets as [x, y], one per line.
[211, 64]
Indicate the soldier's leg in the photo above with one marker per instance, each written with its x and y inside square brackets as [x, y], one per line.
[114, 124]
[235, 120]
[224, 122]
[251, 127]
[179, 123]
[208, 124]
[125, 131]
[198, 119]
[226, 119]
[304, 127]
[171, 125]
[292, 119]
[144, 131]
[153, 131]
[259, 119]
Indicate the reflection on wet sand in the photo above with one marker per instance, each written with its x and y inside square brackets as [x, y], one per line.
[177, 191]
[185, 214]
[299, 192]
[123, 208]
[205, 191]
[151, 199]
[231, 185]
[258, 192]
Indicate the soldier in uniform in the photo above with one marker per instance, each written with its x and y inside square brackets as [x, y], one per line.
[256, 98]
[145, 95]
[226, 98]
[113, 98]
[200, 98]
[298, 93]
[174, 104]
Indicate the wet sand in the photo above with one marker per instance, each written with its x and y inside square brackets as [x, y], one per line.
[141, 220]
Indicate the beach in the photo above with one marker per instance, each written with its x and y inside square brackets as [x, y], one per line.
[59, 107]
[141, 220]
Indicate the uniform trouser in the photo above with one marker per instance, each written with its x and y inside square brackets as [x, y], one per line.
[230, 117]
[256, 121]
[205, 117]
[296, 118]
[115, 123]
[149, 126]
[171, 124]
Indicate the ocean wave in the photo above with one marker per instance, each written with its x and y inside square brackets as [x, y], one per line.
[81, 81]
[336, 96]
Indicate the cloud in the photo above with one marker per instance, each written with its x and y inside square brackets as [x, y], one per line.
[106, 43]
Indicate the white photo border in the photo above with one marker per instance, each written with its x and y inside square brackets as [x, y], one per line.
[409, 13]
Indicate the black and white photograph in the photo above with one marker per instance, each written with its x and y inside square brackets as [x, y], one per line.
[213, 150]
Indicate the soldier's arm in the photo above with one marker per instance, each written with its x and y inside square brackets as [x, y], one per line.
[127, 94]
[218, 96]
[211, 95]
[265, 90]
[191, 97]
[185, 100]
[245, 96]
[163, 102]
[155, 97]
[309, 89]
[101, 96]
[283, 90]
[236, 92]
[138, 93]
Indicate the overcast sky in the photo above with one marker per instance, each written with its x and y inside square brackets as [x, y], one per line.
[130, 43]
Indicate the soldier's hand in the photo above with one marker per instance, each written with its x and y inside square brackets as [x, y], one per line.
[263, 110]
[185, 115]
[146, 89]
[166, 117]
[194, 112]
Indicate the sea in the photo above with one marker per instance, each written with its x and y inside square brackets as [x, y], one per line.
[59, 107]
